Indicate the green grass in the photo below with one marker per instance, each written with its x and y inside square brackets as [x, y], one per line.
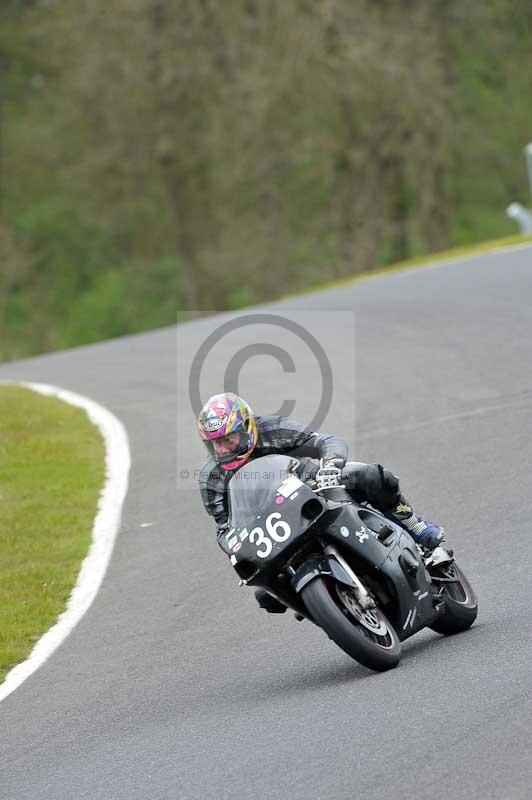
[418, 261]
[51, 474]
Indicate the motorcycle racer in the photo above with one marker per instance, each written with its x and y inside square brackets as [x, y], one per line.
[234, 436]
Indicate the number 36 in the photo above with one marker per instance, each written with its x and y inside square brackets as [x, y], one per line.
[277, 528]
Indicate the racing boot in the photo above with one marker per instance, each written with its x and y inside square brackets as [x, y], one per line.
[270, 603]
[422, 532]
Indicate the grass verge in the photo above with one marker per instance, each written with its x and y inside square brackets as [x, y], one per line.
[419, 261]
[51, 474]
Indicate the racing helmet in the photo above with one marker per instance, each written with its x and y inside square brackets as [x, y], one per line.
[228, 428]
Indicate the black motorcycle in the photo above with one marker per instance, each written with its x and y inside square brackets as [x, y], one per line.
[341, 564]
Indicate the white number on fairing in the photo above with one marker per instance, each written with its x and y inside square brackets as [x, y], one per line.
[279, 530]
[257, 534]
[273, 527]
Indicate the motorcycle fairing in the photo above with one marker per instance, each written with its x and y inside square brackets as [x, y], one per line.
[397, 559]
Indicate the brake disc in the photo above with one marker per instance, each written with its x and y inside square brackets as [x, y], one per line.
[368, 617]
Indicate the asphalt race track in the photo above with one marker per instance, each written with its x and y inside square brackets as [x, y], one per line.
[175, 685]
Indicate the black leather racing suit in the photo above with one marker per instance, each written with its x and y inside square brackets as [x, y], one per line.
[276, 434]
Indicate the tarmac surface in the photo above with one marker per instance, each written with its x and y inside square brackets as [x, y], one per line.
[175, 684]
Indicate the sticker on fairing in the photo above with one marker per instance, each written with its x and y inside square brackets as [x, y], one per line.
[361, 535]
[289, 486]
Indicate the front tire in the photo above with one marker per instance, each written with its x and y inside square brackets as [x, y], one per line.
[366, 636]
[461, 605]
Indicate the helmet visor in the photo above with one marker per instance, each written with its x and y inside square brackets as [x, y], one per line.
[228, 448]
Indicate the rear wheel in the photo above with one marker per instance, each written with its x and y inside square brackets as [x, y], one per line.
[461, 606]
[364, 634]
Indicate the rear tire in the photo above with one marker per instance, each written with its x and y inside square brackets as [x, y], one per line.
[461, 605]
[334, 608]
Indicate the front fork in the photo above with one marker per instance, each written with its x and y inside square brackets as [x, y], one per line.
[362, 595]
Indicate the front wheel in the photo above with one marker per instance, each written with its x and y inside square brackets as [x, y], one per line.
[365, 635]
[461, 606]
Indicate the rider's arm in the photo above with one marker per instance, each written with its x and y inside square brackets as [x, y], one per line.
[213, 493]
[286, 435]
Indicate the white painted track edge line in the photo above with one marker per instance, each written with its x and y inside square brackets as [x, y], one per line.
[105, 529]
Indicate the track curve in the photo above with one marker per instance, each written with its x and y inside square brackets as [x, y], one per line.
[174, 685]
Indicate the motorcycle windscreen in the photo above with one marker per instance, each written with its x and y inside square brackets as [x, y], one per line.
[255, 487]
[268, 509]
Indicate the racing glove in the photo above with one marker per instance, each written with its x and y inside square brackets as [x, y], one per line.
[330, 472]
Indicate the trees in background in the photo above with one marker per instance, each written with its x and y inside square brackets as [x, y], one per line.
[207, 154]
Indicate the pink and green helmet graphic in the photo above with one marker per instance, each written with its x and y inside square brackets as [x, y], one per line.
[222, 415]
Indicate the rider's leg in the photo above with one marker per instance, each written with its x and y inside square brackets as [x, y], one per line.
[380, 487]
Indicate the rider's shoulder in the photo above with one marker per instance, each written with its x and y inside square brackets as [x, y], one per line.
[276, 423]
[267, 422]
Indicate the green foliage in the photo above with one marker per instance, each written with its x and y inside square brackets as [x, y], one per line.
[225, 152]
[122, 301]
